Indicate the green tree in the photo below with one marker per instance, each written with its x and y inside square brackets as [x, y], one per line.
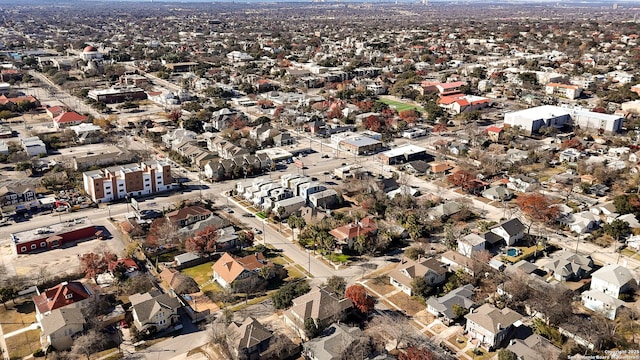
[420, 288]
[336, 285]
[23, 166]
[283, 297]
[459, 311]
[505, 354]
[617, 229]
[310, 328]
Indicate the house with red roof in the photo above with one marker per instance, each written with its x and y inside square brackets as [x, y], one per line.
[128, 265]
[54, 111]
[68, 118]
[65, 294]
[230, 269]
[494, 133]
[346, 235]
[459, 103]
[13, 102]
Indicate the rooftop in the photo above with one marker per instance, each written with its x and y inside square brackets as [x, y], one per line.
[51, 230]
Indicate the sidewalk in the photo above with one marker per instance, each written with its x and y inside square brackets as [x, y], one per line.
[33, 326]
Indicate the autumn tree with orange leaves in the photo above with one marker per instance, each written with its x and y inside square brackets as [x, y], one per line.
[361, 300]
[538, 208]
[204, 241]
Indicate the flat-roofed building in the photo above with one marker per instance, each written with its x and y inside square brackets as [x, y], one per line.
[129, 180]
[117, 94]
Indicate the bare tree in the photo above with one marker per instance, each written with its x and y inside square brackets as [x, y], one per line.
[91, 342]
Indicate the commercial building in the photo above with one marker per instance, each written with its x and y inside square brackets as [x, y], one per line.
[404, 154]
[117, 94]
[33, 146]
[360, 145]
[52, 236]
[569, 91]
[531, 120]
[118, 182]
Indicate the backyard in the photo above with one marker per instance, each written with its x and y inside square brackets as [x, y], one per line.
[202, 274]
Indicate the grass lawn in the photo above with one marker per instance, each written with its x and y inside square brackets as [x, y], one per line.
[24, 344]
[438, 328]
[294, 273]
[403, 301]
[338, 258]
[629, 252]
[380, 285]
[400, 106]
[458, 341]
[261, 215]
[201, 273]
[17, 316]
[481, 354]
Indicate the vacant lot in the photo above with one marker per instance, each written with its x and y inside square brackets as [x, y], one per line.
[17, 316]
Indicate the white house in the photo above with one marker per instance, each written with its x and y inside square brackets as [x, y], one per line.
[33, 146]
[407, 270]
[613, 280]
[471, 243]
[581, 222]
[490, 325]
[521, 183]
[510, 230]
[597, 301]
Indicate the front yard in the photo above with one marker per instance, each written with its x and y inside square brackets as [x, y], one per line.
[24, 344]
[202, 274]
[406, 303]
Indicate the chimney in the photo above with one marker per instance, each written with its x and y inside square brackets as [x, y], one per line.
[499, 326]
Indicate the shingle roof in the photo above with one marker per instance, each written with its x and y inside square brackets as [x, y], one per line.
[59, 318]
[614, 274]
[490, 317]
[148, 307]
[229, 267]
[319, 304]
[248, 334]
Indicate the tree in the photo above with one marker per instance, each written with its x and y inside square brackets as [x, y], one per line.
[414, 253]
[505, 354]
[361, 300]
[296, 222]
[336, 285]
[23, 166]
[617, 229]
[161, 232]
[91, 342]
[537, 207]
[310, 328]
[459, 311]
[204, 241]
[419, 287]
[7, 293]
[283, 297]
[462, 178]
[93, 264]
[417, 353]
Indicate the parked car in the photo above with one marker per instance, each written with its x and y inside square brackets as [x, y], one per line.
[228, 210]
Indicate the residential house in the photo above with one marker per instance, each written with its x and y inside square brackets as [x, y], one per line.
[347, 234]
[522, 183]
[445, 307]
[569, 266]
[568, 91]
[326, 199]
[230, 269]
[600, 302]
[188, 215]
[129, 267]
[407, 270]
[60, 326]
[534, 347]
[581, 222]
[445, 210]
[284, 208]
[16, 194]
[570, 155]
[490, 325]
[63, 295]
[456, 261]
[336, 342]
[154, 311]
[178, 136]
[320, 305]
[613, 280]
[67, 119]
[510, 231]
[417, 167]
[495, 133]
[497, 193]
[247, 340]
[470, 244]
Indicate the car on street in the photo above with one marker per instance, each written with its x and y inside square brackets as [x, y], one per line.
[228, 210]
[257, 231]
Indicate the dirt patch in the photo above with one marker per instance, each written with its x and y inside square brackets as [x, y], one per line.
[424, 317]
[380, 285]
[458, 341]
[17, 316]
[438, 328]
[406, 303]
